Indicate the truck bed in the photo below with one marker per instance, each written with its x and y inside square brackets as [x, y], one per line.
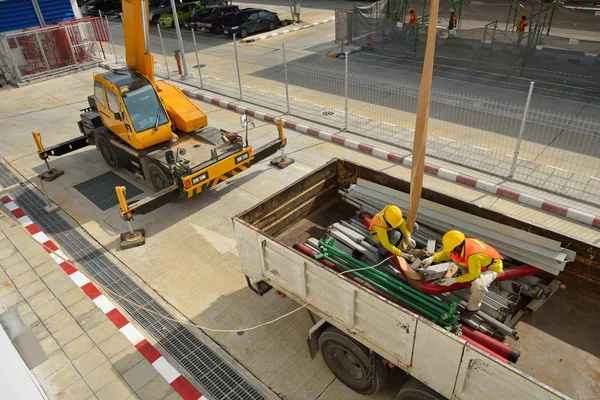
[567, 362]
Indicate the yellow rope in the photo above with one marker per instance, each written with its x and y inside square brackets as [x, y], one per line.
[186, 323]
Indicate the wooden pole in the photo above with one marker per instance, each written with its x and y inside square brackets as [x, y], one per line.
[420, 140]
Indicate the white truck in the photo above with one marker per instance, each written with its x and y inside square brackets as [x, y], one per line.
[360, 333]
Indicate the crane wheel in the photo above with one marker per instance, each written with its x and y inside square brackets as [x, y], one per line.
[352, 363]
[108, 152]
[416, 390]
[157, 178]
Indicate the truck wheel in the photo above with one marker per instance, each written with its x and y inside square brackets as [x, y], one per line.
[351, 362]
[108, 153]
[416, 390]
[157, 177]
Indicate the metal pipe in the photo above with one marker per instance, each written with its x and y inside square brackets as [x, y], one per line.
[346, 91]
[237, 65]
[179, 39]
[163, 50]
[145, 26]
[37, 37]
[285, 74]
[523, 122]
[482, 347]
[197, 59]
[110, 39]
[495, 345]
[70, 45]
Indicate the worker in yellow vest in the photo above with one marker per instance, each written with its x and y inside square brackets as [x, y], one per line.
[482, 261]
[389, 229]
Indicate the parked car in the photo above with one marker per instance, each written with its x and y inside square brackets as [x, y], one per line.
[213, 19]
[159, 7]
[211, 3]
[184, 11]
[251, 20]
[92, 7]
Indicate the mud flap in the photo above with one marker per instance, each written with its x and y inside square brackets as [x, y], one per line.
[313, 337]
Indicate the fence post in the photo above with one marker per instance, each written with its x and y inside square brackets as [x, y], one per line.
[162, 45]
[39, 43]
[285, 74]
[237, 64]
[346, 91]
[523, 121]
[179, 40]
[112, 44]
[197, 59]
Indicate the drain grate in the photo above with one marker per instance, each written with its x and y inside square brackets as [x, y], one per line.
[101, 190]
[217, 378]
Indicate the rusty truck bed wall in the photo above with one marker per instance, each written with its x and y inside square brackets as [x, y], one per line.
[290, 205]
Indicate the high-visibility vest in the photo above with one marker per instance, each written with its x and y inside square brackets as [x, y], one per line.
[476, 246]
[454, 20]
[413, 18]
[521, 26]
[378, 220]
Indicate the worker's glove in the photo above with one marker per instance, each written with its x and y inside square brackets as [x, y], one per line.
[409, 242]
[446, 281]
[427, 262]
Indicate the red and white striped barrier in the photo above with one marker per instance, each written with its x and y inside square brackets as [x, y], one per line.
[181, 385]
[502, 191]
[299, 28]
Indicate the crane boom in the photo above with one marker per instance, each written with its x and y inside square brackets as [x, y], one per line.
[137, 37]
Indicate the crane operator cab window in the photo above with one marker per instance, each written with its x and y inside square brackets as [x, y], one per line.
[99, 93]
[143, 106]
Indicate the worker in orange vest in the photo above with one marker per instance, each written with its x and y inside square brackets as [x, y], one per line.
[452, 23]
[412, 24]
[482, 261]
[389, 229]
[521, 28]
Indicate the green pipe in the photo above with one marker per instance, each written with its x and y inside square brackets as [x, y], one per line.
[359, 264]
[435, 318]
[427, 304]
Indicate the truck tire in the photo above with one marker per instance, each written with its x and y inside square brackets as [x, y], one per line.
[108, 152]
[351, 362]
[158, 178]
[416, 390]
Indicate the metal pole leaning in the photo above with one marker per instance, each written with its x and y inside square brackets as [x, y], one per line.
[110, 39]
[346, 91]
[179, 39]
[162, 45]
[285, 75]
[237, 64]
[197, 59]
[523, 121]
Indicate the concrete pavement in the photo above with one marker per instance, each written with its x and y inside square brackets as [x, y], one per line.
[202, 279]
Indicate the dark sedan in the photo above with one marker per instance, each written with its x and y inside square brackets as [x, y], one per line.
[251, 20]
[212, 19]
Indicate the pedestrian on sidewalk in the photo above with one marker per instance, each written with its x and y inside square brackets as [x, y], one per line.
[452, 23]
[521, 29]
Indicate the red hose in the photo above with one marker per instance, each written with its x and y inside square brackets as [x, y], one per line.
[473, 339]
[496, 346]
[432, 288]
[482, 347]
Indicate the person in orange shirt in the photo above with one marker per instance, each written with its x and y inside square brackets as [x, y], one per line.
[452, 24]
[412, 24]
[521, 29]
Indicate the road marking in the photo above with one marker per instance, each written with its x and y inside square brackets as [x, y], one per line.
[491, 76]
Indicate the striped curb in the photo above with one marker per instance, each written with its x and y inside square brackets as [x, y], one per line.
[177, 381]
[270, 35]
[502, 191]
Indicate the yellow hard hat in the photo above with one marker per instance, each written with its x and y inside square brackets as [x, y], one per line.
[392, 216]
[452, 239]
[525, 15]
[410, 10]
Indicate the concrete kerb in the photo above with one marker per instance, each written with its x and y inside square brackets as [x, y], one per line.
[182, 385]
[502, 191]
[298, 28]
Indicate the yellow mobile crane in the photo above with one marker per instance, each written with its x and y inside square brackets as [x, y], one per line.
[152, 129]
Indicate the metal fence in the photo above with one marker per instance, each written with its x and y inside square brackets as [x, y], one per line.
[557, 152]
[52, 49]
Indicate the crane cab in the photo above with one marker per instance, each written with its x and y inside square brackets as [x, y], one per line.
[130, 107]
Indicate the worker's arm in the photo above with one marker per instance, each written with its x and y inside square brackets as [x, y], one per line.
[385, 241]
[475, 262]
[404, 229]
[441, 256]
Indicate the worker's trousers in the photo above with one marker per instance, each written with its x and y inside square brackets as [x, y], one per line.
[479, 287]
[394, 236]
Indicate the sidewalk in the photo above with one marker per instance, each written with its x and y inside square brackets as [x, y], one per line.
[88, 357]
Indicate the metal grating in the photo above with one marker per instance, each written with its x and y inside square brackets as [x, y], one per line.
[101, 190]
[217, 378]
